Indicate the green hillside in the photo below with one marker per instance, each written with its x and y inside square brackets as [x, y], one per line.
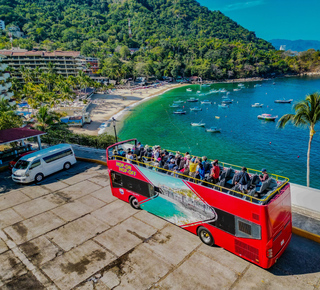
[176, 37]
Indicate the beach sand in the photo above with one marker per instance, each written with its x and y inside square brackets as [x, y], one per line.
[117, 104]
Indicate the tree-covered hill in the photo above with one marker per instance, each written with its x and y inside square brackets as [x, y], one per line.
[175, 37]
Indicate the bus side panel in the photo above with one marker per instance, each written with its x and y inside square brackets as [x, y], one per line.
[245, 248]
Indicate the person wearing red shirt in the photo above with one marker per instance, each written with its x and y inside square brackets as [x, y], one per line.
[215, 172]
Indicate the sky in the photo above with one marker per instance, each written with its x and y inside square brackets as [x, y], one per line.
[273, 19]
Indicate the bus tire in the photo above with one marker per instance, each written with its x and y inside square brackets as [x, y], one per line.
[66, 166]
[205, 236]
[134, 202]
[38, 178]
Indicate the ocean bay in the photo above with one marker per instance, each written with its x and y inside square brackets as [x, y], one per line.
[244, 139]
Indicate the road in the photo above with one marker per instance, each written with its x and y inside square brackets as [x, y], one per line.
[70, 232]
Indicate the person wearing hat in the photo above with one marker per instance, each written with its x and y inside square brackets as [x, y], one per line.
[264, 176]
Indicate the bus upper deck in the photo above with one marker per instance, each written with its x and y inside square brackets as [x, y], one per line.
[226, 183]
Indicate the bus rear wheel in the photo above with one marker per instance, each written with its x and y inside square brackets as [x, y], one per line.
[134, 202]
[205, 236]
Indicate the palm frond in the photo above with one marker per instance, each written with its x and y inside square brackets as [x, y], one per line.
[285, 119]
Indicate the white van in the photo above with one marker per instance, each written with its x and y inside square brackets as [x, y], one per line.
[37, 165]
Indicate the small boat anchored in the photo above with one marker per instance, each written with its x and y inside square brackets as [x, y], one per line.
[206, 102]
[195, 109]
[174, 106]
[213, 130]
[227, 101]
[189, 90]
[178, 102]
[192, 100]
[283, 101]
[257, 85]
[257, 105]
[198, 92]
[223, 106]
[267, 117]
[236, 90]
[179, 112]
[200, 124]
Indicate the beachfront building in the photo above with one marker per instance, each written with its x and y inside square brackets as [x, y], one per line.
[5, 84]
[65, 63]
[2, 25]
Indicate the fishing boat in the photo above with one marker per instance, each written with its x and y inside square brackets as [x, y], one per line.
[192, 100]
[198, 92]
[195, 109]
[189, 90]
[213, 130]
[214, 91]
[257, 85]
[179, 112]
[223, 106]
[200, 124]
[267, 117]
[236, 90]
[241, 85]
[283, 101]
[223, 90]
[227, 101]
[178, 102]
[257, 105]
[206, 102]
[174, 106]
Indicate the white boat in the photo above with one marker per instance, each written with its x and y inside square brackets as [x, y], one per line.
[283, 101]
[213, 130]
[191, 100]
[178, 102]
[236, 90]
[223, 106]
[214, 91]
[200, 124]
[227, 101]
[196, 109]
[241, 85]
[179, 112]
[189, 90]
[257, 105]
[257, 85]
[206, 102]
[267, 117]
[174, 106]
[223, 90]
[198, 92]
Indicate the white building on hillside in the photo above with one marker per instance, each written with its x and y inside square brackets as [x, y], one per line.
[2, 25]
[5, 84]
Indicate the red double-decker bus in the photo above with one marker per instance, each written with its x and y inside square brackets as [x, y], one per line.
[257, 229]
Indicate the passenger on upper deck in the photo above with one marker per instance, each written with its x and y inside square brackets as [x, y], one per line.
[265, 175]
[215, 172]
[193, 167]
[243, 179]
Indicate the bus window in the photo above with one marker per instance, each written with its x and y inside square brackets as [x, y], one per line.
[247, 229]
[138, 186]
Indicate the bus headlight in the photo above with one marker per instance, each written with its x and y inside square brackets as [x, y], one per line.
[270, 253]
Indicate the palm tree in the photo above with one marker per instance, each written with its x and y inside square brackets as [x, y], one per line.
[8, 117]
[307, 114]
[46, 120]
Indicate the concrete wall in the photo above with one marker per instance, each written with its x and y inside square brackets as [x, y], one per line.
[308, 198]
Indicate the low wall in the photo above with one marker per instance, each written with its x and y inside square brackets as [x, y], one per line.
[305, 197]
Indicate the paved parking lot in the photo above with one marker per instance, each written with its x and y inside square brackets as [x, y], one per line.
[70, 232]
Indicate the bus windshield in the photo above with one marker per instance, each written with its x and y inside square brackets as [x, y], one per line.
[22, 164]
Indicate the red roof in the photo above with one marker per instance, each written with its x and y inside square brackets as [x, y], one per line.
[40, 53]
[16, 134]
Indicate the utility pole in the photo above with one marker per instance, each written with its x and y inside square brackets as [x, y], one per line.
[129, 26]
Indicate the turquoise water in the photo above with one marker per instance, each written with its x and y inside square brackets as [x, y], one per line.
[244, 140]
[163, 208]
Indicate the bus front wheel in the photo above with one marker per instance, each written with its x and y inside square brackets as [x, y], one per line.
[205, 236]
[134, 202]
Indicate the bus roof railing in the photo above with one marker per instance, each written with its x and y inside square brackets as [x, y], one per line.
[214, 186]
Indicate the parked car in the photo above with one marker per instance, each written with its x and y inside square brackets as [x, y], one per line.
[15, 160]
[36, 166]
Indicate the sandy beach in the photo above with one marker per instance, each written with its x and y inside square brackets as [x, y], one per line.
[117, 105]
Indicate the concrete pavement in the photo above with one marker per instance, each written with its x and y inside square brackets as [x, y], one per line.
[69, 232]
